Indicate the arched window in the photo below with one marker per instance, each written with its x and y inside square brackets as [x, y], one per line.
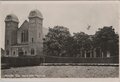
[27, 35]
[14, 53]
[32, 40]
[24, 36]
[25, 52]
[32, 51]
[39, 35]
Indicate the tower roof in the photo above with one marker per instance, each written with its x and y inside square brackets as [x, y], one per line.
[35, 13]
[11, 17]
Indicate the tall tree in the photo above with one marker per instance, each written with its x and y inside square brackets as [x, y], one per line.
[83, 42]
[55, 40]
[107, 40]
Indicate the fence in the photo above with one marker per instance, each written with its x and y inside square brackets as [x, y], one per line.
[30, 61]
[21, 61]
[53, 59]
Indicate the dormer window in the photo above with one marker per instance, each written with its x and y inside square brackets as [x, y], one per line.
[8, 17]
[32, 13]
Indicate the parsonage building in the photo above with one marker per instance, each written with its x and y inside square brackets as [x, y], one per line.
[25, 40]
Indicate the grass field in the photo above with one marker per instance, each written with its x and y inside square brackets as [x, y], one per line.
[61, 72]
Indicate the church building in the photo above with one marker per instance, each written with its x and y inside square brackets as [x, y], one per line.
[26, 40]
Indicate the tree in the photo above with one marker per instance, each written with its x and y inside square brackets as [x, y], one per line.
[59, 42]
[107, 40]
[55, 40]
[83, 42]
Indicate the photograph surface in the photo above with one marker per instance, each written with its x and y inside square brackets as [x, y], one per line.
[59, 39]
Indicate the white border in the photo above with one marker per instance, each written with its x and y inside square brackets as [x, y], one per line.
[62, 79]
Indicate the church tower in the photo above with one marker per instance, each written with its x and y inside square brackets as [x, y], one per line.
[35, 32]
[11, 27]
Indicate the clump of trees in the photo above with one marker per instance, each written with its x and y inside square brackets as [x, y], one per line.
[59, 42]
[107, 40]
[55, 41]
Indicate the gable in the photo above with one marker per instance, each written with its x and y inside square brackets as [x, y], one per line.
[24, 26]
[23, 31]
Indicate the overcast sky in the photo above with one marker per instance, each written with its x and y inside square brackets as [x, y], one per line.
[74, 15]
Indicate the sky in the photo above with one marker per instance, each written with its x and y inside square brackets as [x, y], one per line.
[75, 15]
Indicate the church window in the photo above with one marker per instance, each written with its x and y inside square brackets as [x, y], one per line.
[32, 51]
[32, 40]
[24, 36]
[25, 52]
[27, 35]
[9, 17]
[7, 52]
[14, 53]
[39, 35]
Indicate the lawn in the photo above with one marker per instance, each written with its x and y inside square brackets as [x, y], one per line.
[61, 72]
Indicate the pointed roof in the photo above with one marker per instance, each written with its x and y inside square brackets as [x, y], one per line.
[24, 25]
